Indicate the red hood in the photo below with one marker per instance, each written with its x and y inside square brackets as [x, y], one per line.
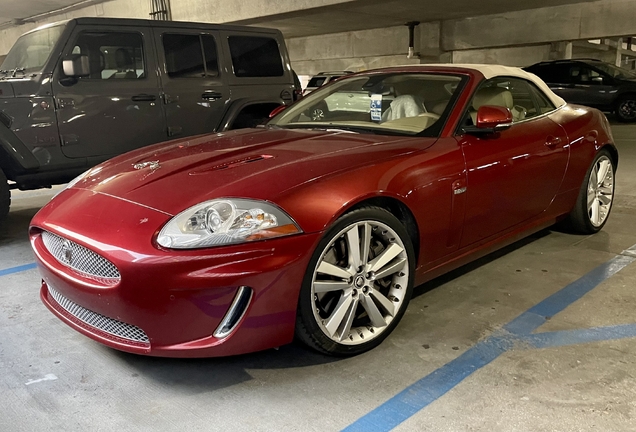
[248, 163]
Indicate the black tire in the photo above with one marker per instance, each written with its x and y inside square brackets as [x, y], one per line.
[626, 108]
[368, 294]
[580, 219]
[5, 196]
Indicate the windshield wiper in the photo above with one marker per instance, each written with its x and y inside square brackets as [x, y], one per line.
[15, 71]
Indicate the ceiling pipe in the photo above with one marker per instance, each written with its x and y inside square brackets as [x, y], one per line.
[411, 25]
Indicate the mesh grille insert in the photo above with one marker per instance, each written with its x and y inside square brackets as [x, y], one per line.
[81, 259]
[99, 321]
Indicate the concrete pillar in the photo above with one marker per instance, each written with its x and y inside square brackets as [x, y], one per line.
[560, 50]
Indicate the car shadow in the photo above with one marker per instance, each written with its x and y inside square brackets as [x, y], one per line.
[200, 375]
[467, 268]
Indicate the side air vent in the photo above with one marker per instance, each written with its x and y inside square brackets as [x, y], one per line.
[235, 312]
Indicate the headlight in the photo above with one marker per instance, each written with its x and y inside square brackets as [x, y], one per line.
[225, 221]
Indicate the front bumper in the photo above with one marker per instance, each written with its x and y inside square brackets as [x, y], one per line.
[177, 299]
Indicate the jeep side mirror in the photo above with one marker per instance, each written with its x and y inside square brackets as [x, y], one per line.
[76, 66]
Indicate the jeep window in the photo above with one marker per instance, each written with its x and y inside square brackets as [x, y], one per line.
[112, 55]
[615, 71]
[254, 56]
[32, 50]
[190, 56]
[316, 81]
[583, 75]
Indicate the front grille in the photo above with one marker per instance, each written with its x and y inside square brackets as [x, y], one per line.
[82, 260]
[99, 321]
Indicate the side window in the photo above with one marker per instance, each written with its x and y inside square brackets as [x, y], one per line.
[254, 56]
[112, 55]
[544, 104]
[512, 93]
[583, 75]
[190, 56]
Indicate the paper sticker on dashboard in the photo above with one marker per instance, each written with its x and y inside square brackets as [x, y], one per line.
[376, 107]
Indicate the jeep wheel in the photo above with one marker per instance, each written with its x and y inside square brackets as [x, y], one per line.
[5, 196]
[626, 109]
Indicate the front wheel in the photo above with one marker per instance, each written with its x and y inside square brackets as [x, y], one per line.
[5, 196]
[626, 109]
[357, 285]
[595, 197]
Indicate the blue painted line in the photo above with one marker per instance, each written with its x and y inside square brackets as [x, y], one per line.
[534, 317]
[578, 336]
[516, 333]
[18, 269]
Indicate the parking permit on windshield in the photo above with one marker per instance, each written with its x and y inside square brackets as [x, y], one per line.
[376, 107]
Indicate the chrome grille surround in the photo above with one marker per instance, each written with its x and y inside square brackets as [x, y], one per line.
[80, 259]
[107, 325]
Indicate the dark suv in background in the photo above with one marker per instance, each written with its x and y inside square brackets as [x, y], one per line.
[593, 83]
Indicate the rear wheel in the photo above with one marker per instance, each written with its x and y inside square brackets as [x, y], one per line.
[626, 108]
[595, 197]
[5, 196]
[358, 283]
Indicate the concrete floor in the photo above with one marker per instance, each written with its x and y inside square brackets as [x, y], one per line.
[457, 364]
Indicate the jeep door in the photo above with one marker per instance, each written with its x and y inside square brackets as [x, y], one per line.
[116, 108]
[192, 80]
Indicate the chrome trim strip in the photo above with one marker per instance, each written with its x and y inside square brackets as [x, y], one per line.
[226, 326]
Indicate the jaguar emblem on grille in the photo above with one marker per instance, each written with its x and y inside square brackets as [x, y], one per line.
[67, 252]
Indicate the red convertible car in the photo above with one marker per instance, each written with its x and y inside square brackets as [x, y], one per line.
[318, 224]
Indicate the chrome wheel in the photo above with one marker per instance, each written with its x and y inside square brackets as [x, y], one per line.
[626, 109]
[360, 282]
[600, 191]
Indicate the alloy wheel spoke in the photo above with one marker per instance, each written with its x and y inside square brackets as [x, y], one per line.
[377, 320]
[604, 199]
[602, 172]
[385, 257]
[335, 320]
[595, 216]
[591, 196]
[333, 270]
[328, 286]
[386, 304]
[390, 269]
[353, 246]
[345, 328]
[365, 244]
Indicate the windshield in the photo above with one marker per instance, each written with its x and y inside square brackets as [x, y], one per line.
[32, 50]
[615, 71]
[391, 103]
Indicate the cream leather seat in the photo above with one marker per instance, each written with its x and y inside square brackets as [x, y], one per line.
[497, 96]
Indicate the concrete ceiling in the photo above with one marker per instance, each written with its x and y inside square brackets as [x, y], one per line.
[347, 16]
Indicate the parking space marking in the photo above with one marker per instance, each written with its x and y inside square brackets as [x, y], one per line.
[514, 335]
[18, 269]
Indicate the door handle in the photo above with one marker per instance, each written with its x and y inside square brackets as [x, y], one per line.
[211, 95]
[552, 141]
[144, 98]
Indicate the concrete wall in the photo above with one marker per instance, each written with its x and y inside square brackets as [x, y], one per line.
[513, 38]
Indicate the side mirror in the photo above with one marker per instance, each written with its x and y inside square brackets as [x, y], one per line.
[277, 110]
[76, 66]
[597, 80]
[491, 119]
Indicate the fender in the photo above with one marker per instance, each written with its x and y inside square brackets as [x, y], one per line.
[17, 157]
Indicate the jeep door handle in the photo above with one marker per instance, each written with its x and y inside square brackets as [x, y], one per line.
[211, 95]
[144, 98]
